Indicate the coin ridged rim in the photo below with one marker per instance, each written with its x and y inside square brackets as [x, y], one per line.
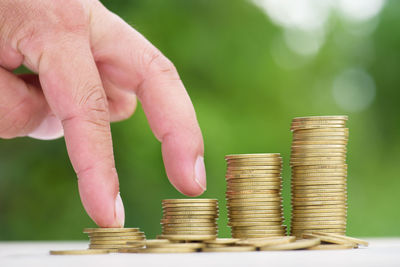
[298, 244]
[79, 252]
[189, 237]
[255, 155]
[110, 230]
[344, 237]
[259, 242]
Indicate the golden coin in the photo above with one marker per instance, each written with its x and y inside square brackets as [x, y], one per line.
[317, 223]
[190, 211]
[306, 155]
[190, 200]
[276, 212]
[257, 228]
[159, 250]
[256, 155]
[189, 232]
[187, 221]
[272, 231]
[189, 237]
[319, 182]
[320, 191]
[79, 252]
[322, 179]
[253, 177]
[251, 204]
[269, 241]
[111, 242]
[239, 219]
[232, 189]
[316, 219]
[324, 198]
[331, 239]
[246, 236]
[178, 225]
[222, 241]
[248, 172]
[254, 168]
[190, 217]
[320, 137]
[110, 230]
[125, 235]
[179, 245]
[326, 186]
[255, 163]
[322, 209]
[189, 206]
[229, 249]
[193, 228]
[331, 246]
[251, 182]
[298, 244]
[347, 238]
[193, 209]
[249, 224]
[300, 232]
[248, 194]
[156, 242]
[319, 142]
[113, 246]
[116, 238]
[310, 195]
[255, 209]
[323, 118]
[321, 167]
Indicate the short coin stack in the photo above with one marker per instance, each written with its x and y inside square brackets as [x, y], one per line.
[319, 175]
[254, 195]
[189, 219]
[113, 239]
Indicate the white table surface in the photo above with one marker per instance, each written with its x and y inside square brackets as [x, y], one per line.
[381, 252]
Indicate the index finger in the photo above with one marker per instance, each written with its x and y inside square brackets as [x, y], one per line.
[73, 89]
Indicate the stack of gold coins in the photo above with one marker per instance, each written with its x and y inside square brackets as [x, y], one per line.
[319, 174]
[254, 195]
[189, 219]
[115, 238]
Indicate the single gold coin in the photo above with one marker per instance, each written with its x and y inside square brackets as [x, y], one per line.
[254, 163]
[344, 237]
[298, 244]
[270, 172]
[321, 168]
[189, 237]
[229, 249]
[245, 236]
[156, 242]
[331, 246]
[260, 232]
[186, 225]
[190, 217]
[193, 213]
[247, 224]
[343, 118]
[195, 245]
[122, 235]
[79, 252]
[252, 177]
[331, 239]
[117, 238]
[246, 219]
[111, 242]
[308, 218]
[269, 241]
[193, 209]
[190, 200]
[110, 230]
[159, 250]
[255, 155]
[113, 246]
[222, 241]
[259, 227]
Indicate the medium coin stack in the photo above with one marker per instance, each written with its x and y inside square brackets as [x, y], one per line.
[113, 239]
[189, 219]
[253, 195]
[319, 175]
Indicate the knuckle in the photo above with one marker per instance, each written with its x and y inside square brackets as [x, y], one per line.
[92, 104]
[157, 64]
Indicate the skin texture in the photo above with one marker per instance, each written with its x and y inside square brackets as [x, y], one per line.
[91, 67]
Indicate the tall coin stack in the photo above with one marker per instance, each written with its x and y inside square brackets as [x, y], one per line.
[189, 219]
[319, 175]
[253, 195]
[113, 239]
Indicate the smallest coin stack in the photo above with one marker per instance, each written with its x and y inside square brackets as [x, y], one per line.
[113, 239]
[189, 219]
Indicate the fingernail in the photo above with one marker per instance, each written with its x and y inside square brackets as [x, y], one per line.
[200, 173]
[119, 211]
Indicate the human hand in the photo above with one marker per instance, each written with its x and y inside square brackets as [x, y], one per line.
[90, 67]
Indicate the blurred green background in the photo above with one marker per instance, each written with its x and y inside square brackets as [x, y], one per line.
[249, 67]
